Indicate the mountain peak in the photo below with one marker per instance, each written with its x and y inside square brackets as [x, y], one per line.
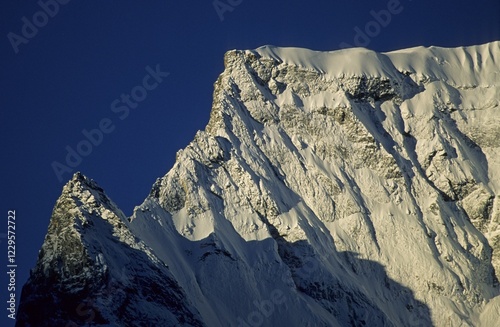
[81, 182]
[328, 188]
[86, 269]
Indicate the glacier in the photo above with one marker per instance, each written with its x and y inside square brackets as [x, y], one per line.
[343, 188]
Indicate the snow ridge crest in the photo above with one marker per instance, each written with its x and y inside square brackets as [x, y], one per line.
[329, 188]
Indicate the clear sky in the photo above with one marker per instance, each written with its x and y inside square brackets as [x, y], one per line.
[68, 67]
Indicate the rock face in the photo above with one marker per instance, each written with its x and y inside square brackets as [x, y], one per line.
[90, 267]
[346, 188]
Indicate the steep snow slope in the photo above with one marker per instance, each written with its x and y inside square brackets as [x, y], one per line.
[90, 266]
[342, 188]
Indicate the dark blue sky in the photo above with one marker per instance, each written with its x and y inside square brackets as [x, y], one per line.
[68, 75]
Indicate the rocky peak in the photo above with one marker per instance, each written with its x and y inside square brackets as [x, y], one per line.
[328, 188]
[85, 269]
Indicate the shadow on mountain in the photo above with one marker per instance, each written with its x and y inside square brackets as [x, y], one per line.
[84, 293]
[346, 289]
[356, 292]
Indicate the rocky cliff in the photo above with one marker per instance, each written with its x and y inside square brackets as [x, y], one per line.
[346, 188]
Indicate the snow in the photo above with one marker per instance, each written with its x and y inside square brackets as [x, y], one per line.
[277, 170]
[463, 67]
[357, 186]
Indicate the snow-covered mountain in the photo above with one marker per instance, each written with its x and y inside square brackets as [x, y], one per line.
[346, 188]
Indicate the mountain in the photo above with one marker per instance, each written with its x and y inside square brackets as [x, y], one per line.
[345, 188]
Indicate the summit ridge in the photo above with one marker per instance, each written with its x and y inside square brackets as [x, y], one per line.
[337, 188]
